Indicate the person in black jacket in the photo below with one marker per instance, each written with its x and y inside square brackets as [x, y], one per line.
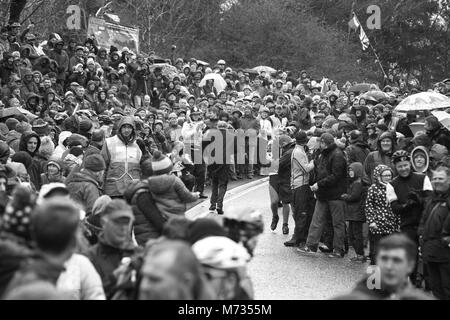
[434, 233]
[437, 132]
[331, 174]
[406, 194]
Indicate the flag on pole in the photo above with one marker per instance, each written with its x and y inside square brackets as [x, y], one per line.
[364, 39]
[354, 23]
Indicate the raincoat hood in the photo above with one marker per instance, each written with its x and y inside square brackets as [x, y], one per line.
[63, 136]
[130, 121]
[357, 169]
[379, 171]
[390, 136]
[414, 153]
[24, 141]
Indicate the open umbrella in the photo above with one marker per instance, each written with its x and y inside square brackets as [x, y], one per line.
[166, 69]
[219, 83]
[424, 101]
[264, 69]
[363, 87]
[250, 71]
[202, 63]
[443, 118]
[375, 95]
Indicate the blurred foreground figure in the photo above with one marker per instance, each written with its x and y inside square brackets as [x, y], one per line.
[172, 272]
[389, 279]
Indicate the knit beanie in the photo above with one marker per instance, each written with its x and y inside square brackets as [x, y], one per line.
[327, 138]
[204, 228]
[161, 164]
[438, 152]
[95, 163]
[47, 147]
[85, 125]
[11, 123]
[40, 127]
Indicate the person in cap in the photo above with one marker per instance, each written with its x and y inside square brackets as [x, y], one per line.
[331, 184]
[84, 186]
[406, 194]
[303, 198]
[122, 157]
[319, 119]
[115, 243]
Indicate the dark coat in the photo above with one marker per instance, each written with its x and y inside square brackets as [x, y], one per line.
[357, 152]
[374, 159]
[331, 173]
[435, 229]
[106, 260]
[84, 189]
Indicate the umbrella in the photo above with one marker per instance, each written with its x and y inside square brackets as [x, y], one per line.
[167, 70]
[219, 83]
[250, 71]
[202, 63]
[362, 87]
[264, 69]
[424, 101]
[443, 118]
[375, 95]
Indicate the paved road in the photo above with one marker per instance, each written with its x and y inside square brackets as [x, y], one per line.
[280, 273]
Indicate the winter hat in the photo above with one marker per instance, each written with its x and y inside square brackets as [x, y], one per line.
[358, 169]
[301, 138]
[77, 138]
[327, 138]
[56, 164]
[356, 136]
[76, 151]
[48, 190]
[85, 125]
[11, 123]
[161, 164]
[95, 163]
[16, 219]
[40, 127]
[284, 140]
[47, 147]
[204, 228]
[22, 157]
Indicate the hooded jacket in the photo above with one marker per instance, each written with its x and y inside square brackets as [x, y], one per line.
[435, 229]
[438, 134]
[355, 195]
[331, 173]
[379, 157]
[28, 87]
[170, 195]
[84, 189]
[60, 148]
[122, 160]
[378, 209]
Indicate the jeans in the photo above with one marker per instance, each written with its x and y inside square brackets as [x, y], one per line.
[219, 189]
[374, 239]
[200, 177]
[303, 210]
[355, 234]
[439, 276]
[336, 208]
